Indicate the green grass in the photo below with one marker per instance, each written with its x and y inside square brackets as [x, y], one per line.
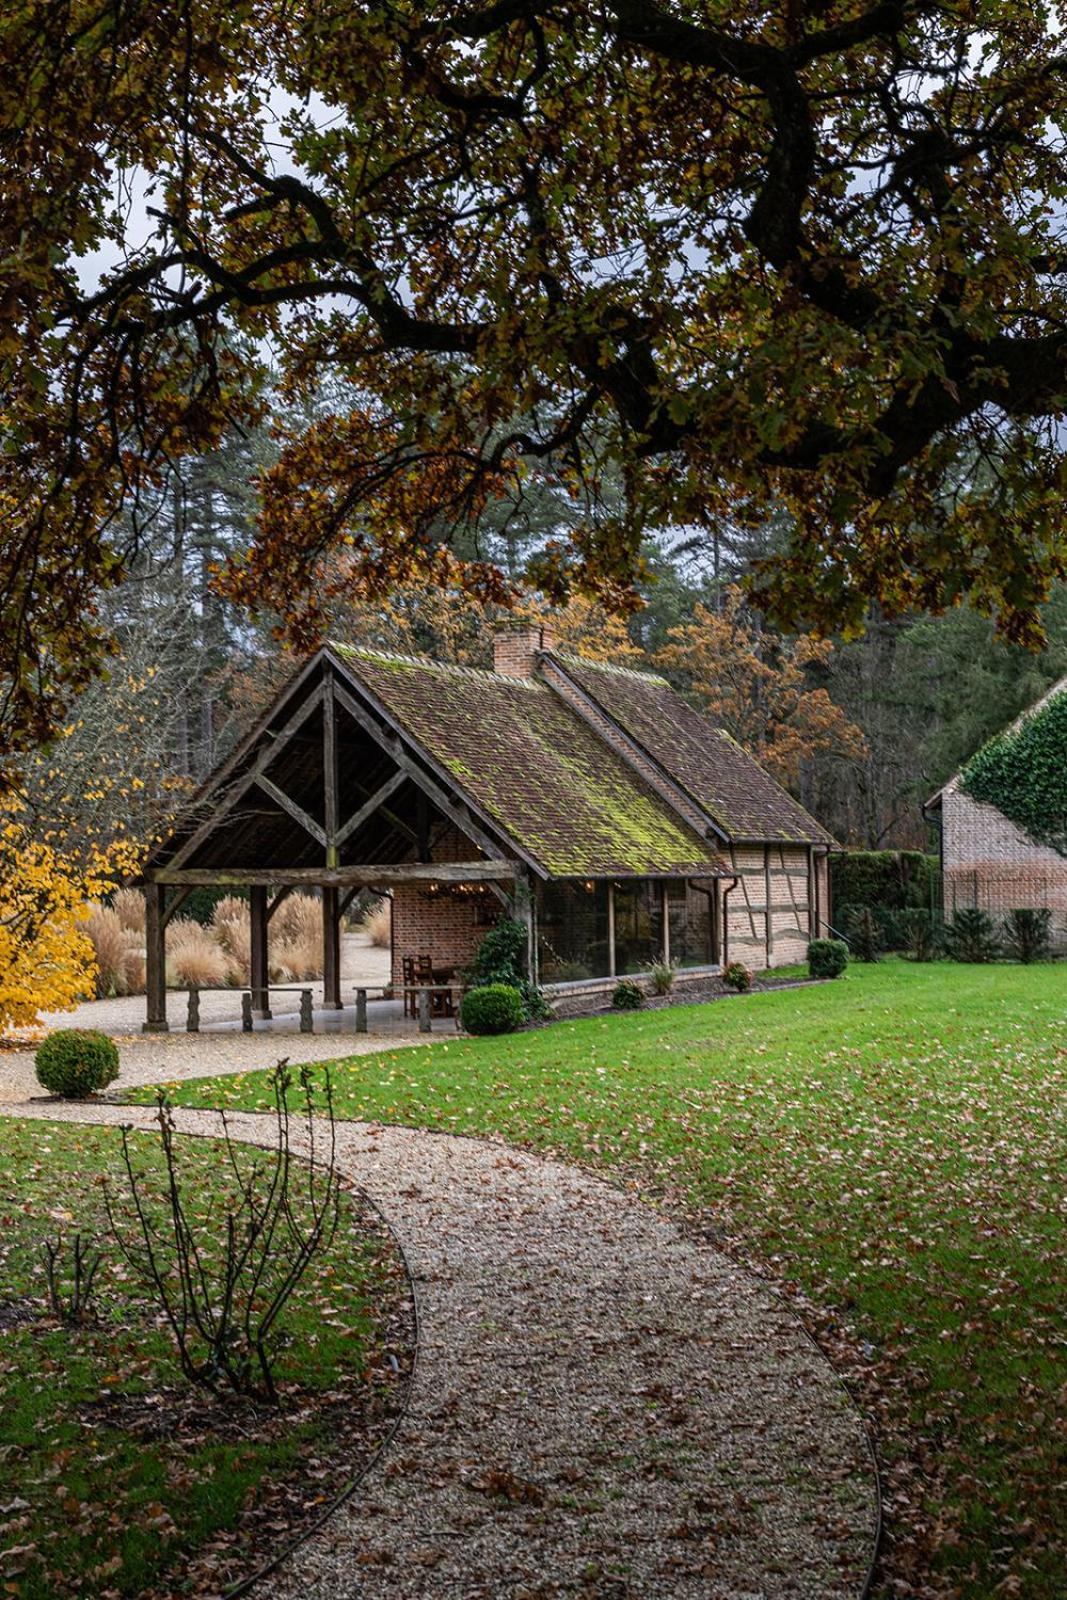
[891, 1146]
[96, 1495]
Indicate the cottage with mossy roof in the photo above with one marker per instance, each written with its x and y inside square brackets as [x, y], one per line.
[620, 826]
[1003, 820]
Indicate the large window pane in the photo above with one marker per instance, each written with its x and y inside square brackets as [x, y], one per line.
[572, 932]
[689, 913]
[638, 924]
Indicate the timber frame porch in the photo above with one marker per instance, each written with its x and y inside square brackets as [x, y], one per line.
[324, 774]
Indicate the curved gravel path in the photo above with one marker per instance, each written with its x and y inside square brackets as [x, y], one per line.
[602, 1406]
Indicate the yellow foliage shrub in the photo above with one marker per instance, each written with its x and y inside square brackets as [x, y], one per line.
[46, 956]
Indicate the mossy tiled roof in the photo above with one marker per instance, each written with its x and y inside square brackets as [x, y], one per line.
[534, 768]
[728, 785]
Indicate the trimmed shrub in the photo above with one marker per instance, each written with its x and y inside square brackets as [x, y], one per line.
[737, 976]
[628, 996]
[661, 976]
[971, 936]
[827, 958]
[492, 1008]
[919, 934]
[75, 1062]
[1028, 934]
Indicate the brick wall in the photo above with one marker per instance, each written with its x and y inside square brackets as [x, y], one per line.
[447, 924]
[790, 906]
[991, 865]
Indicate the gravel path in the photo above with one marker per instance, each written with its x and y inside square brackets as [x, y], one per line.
[602, 1406]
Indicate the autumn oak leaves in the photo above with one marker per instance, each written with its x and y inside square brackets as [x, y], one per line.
[805, 258]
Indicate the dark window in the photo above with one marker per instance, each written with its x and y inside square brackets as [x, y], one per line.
[692, 934]
[572, 932]
[638, 924]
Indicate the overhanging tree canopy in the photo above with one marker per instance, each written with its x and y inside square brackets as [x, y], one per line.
[800, 255]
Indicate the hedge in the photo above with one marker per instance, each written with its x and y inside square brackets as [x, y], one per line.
[885, 880]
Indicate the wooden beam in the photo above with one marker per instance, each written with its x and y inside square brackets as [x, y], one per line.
[289, 805]
[175, 904]
[213, 784]
[283, 894]
[331, 801]
[231, 797]
[369, 807]
[456, 810]
[341, 877]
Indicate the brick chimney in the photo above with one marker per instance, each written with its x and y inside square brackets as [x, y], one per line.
[515, 646]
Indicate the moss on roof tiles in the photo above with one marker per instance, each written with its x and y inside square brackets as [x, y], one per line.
[727, 784]
[534, 767]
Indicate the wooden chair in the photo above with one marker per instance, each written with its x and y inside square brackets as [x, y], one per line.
[411, 999]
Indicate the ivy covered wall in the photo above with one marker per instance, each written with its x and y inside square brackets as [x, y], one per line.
[1023, 772]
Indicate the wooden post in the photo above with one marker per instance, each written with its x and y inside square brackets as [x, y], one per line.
[768, 920]
[192, 1013]
[361, 1010]
[666, 915]
[522, 904]
[611, 930]
[259, 976]
[307, 1019]
[329, 772]
[424, 1010]
[331, 952]
[155, 936]
[246, 1012]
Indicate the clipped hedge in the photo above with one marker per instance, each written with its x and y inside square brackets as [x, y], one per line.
[884, 880]
[75, 1062]
[1023, 772]
[827, 958]
[492, 1008]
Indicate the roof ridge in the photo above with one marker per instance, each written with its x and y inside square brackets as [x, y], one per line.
[455, 668]
[609, 666]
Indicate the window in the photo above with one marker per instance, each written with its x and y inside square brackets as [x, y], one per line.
[572, 932]
[638, 924]
[691, 923]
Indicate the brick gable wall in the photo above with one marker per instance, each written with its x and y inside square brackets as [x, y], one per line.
[991, 865]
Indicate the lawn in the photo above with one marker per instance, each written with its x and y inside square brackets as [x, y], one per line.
[891, 1148]
[117, 1477]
